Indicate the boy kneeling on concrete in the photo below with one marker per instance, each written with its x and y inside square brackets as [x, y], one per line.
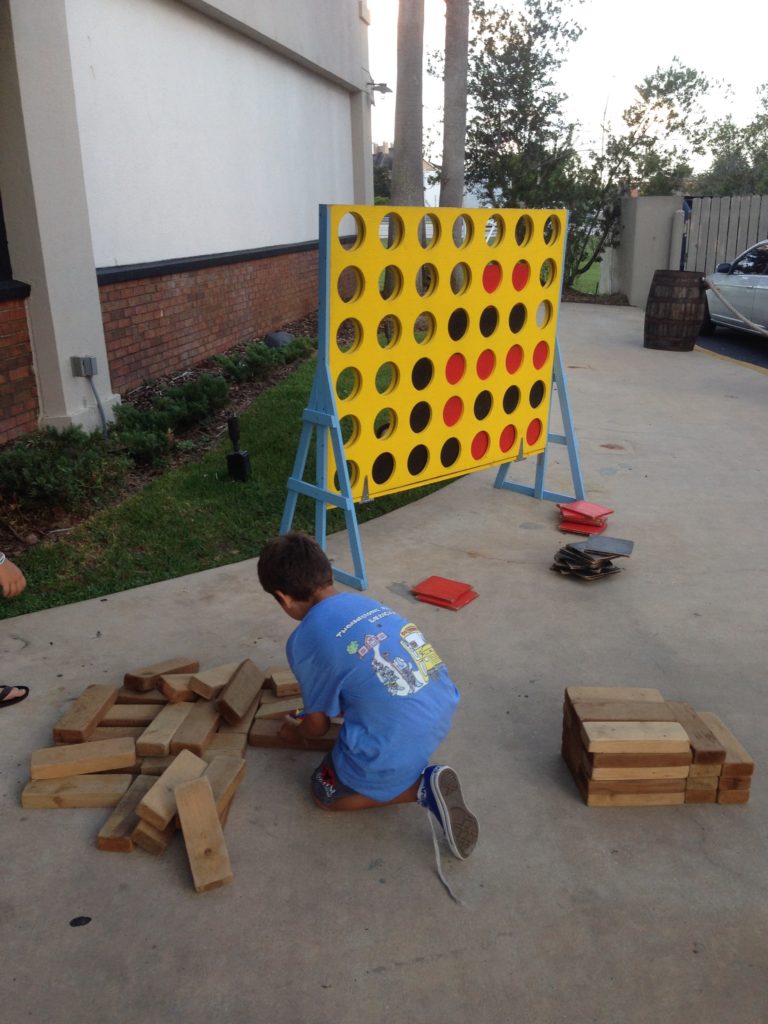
[355, 657]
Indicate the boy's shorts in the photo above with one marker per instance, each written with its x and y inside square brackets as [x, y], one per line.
[327, 788]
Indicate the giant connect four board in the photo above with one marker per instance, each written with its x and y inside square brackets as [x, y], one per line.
[439, 339]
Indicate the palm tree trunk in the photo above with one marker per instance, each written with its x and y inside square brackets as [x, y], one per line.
[407, 168]
[455, 102]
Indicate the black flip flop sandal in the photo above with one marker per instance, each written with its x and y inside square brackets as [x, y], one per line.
[5, 690]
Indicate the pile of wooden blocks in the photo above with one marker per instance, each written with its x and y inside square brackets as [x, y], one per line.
[628, 746]
[166, 751]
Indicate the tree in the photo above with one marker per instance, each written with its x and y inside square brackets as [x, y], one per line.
[455, 102]
[739, 155]
[407, 167]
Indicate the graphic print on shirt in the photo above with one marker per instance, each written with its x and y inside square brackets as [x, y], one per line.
[401, 675]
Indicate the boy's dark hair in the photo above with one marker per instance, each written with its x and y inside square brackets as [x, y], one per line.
[294, 564]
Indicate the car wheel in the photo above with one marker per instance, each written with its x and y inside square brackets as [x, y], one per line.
[708, 326]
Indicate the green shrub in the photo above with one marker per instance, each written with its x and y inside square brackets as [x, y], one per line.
[145, 447]
[68, 470]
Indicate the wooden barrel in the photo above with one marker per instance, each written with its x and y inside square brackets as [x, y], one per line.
[675, 310]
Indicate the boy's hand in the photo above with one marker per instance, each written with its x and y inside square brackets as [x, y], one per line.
[290, 732]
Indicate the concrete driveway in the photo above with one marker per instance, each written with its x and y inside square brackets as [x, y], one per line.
[572, 914]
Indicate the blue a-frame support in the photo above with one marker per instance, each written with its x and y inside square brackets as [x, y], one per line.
[320, 417]
[568, 438]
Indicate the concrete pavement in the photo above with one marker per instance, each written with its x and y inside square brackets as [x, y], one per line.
[612, 916]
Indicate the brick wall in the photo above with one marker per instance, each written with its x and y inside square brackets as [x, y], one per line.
[18, 387]
[162, 324]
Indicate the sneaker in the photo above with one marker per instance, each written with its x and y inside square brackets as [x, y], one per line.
[440, 791]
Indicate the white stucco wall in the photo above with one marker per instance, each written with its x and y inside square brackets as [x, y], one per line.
[197, 139]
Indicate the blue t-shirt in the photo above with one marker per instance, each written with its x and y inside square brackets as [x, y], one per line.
[357, 658]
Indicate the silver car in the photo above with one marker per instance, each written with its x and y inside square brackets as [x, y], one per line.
[744, 285]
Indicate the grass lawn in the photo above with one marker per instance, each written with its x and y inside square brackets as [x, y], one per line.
[589, 282]
[192, 517]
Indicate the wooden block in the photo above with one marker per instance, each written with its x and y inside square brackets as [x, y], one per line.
[637, 786]
[115, 834]
[622, 693]
[82, 758]
[617, 774]
[126, 696]
[232, 744]
[282, 681]
[79, 723]
[622, 711]
[240, 693]
[634, 737]
[701, 796]
[156, 765]
[116, 732]
[76, 791]
[737, 760]
[264, 734]
[657, 760]
[151, 839]
[155, 740]
[159, 805]
[734, 782]
[210, 683]
[705, 745]
[147, 678]
[177, 688]
[242, 727]
[197, 729]
[733, 796]
[130, 714]
[203, 837]
[708, 782]
[701, 771]
[279, 708]
[224, 774]
[635, 799]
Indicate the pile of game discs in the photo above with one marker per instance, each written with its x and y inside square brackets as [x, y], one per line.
[592, 559]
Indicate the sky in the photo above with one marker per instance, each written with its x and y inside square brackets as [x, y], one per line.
[622, 42]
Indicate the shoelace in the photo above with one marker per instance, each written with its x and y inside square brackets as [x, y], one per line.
[438, 861]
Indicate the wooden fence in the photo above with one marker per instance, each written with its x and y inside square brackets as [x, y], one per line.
[719, 228]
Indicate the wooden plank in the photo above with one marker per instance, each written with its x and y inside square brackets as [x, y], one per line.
[151, 839]
[279, 708]
[79, 723]
[159, 805]
[130, 714]
[657, 760]
[242, 727]
[242, 690]
[197, 729]
[264, 734]
[282, 681]
[706, 747]
[734, 782]
[703, 782]
[637, 786]
[225, 775]
[737, 760]
[126, 696]
[203, 837]
[232, 744]
[82, 758]
[617, 774]
[733, 796]
[116, 732]
[177, 688]
[635, 799]
[156, 765]
[155, 740]
[148, 677]
[75, 791]
[211, 682]
[701, 796]
[115, 834]
[630, 693]
[699, 771]
[634, 737]
[623, 711]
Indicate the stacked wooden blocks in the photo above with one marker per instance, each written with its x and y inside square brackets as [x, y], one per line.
[166, 751]
[628, 746]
